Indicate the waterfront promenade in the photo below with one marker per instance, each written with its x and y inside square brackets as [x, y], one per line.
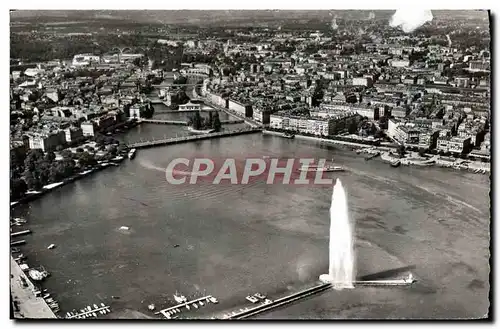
[30, 307]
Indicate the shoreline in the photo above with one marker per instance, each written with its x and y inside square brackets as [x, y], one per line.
[434, 161]
[53, 186]
[30, 306]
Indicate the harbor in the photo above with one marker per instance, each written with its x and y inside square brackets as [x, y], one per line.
[99, 261]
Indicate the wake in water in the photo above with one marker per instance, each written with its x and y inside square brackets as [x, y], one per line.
[148, 165]
[341, 260]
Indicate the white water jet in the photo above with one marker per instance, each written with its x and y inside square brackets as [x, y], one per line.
[341, 266]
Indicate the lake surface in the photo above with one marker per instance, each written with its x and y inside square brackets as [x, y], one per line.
[236, 240]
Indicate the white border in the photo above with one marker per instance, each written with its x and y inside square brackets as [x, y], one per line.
[199, 4]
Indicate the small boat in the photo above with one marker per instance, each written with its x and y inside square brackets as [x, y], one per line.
[131, 153]
[323, 169]
[52, 246]
[187, 306]
[396, 163]
[176, 246]
[195, 305]
[37, 275]
[201, 303]
[151, 307]
[290, 136]
[200, 132]
[15, 249]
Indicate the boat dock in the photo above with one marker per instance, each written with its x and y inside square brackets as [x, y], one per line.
[20, 233]
[15, 243]
[89, 312]
[164, 312]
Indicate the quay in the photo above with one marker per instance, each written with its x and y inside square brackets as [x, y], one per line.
[179, 306]
[20, 233]
[30, 306]
[183, 139]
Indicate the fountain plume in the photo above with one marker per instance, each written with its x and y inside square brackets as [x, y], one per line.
[341, 258]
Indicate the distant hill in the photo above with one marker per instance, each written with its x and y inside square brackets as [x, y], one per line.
[204, 17]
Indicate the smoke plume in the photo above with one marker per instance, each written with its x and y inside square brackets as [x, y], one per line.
[410, 19]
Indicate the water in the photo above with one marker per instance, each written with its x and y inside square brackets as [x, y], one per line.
[235, 240]
[341, 267]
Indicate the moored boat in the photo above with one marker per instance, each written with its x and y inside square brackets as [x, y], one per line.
[200, 132]
[131, 153]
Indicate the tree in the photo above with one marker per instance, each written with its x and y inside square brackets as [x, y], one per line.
[17, 188]
[113, 150]
[216, 124]
[85, 159]
[401, 150]
[122, 148]
[195, 120]
[50, 156]
[67, 154]
[79, 150]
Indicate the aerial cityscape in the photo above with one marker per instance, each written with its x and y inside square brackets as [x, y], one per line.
[250, 164]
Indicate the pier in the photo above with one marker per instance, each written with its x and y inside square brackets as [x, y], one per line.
[164, 312]
[183, 139]
[20, 233]
[311, 291]
[88, 312]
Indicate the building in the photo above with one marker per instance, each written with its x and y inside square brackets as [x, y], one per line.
[134, 112]
[479, 66]
[366, 81]
[400, 63]
[453, 144]
[217, 99]
[88, 128]
[261, 115]
[243, 109]
[46, 141]
[73, 134]
[190, 107]
[85, 59]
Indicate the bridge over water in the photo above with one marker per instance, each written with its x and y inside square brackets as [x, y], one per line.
[185, 123]
[176, 140]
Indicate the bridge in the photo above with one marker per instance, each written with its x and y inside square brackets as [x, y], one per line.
[165, 122]
[183, 139]
[184, 111]
[185, 123]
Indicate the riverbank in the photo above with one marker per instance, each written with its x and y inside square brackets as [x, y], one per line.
[33, 195]
[23, 293]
